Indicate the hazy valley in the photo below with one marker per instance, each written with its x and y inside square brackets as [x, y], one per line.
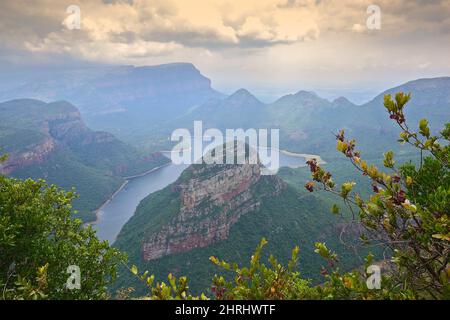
[209, 210]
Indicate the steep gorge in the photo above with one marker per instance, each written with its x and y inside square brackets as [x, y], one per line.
[223, 211]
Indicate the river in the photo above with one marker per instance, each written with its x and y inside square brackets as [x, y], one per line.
[114, 214]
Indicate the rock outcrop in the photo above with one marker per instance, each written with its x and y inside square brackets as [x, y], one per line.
[35, 154]
[211, 201]
[57, 129]
[50, 127]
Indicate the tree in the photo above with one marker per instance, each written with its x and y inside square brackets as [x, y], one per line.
[408, 211]
[40, 239]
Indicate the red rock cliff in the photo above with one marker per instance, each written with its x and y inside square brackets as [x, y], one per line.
[211, 202]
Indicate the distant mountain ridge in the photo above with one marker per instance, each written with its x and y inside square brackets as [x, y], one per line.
[342, 102]
[430, 99]
[307, 122]
[240, 107]
[143, 105]
[111, 98]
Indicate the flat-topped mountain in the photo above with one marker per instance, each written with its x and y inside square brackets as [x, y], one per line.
[111, 98]
[210, 203]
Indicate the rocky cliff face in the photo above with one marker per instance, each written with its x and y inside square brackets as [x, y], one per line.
[70, 128]
[31, 131]
[57, 129]
[34, 155]
[51, 141]
[211, 201]
[65, 126]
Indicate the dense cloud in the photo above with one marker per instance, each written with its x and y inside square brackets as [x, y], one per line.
[157, 27]
[324, 35]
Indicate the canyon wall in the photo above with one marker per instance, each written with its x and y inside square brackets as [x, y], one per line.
[211, 201]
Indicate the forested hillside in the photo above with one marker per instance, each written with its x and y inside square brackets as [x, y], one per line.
[51, 141]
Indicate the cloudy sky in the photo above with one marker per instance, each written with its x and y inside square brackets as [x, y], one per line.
[271, 47]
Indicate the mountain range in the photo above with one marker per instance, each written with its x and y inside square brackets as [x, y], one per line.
[307, 122]
[112, 98]
[143, 105]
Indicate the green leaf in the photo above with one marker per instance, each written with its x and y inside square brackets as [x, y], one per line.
[134, 269]
[423, 126]
[388, 159]
[335, 209]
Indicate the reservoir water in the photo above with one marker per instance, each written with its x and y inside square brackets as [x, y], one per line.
[114, 214]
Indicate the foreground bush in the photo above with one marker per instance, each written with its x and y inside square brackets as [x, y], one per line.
[408, 211]
[39, 240]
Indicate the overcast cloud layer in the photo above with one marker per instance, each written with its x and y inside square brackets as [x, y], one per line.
[265, 45]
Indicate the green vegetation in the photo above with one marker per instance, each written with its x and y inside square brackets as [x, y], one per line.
[37, 113]
[19, 140]
[93, 187]
[95, 163]
[39, 240]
